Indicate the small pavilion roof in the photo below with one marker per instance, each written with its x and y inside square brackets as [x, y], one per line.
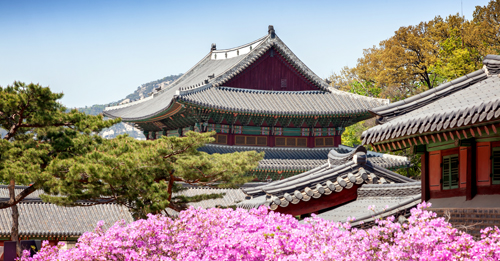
[322, 180]
[202, 84]
[470, 99]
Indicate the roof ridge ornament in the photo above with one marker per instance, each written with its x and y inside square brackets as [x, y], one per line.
[214, 47]
[485, 68]
[271, 31]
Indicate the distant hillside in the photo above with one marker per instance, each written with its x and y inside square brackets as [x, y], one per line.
[141, 92]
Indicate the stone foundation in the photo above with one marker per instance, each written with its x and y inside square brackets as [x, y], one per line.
[470, 220]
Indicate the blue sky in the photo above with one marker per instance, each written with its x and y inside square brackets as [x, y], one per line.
[99, 51]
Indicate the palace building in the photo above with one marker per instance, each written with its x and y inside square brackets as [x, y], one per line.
[455, 127]
[257, 94]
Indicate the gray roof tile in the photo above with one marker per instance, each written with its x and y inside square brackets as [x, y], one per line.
[396, 197]
[282, 102]
[278, 158]
[38, 219]
[467, 100]
[196, 80]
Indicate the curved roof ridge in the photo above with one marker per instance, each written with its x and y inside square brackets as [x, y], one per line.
[128, 104]
[313, 77]
[241, 46]
[184, 75]
[376, 154]
[409, 104]
[213, 82]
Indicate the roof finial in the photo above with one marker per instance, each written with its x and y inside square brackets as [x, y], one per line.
[214, 47]
[271, 31]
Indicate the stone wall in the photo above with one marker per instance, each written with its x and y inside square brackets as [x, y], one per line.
[470, 220]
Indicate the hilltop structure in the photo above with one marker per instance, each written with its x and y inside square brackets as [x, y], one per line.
[455, 128]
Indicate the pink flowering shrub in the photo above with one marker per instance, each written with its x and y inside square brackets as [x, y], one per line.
[226, 234]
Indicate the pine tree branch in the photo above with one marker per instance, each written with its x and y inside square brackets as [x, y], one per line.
[178, 152]
[11, 202]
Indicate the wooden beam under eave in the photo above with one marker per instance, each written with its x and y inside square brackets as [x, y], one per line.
[374, 148]
[494, 128]
[420, 138]
[404, 143]
[479, 131]
[415, 141]
[439, 137]
[486, 130]
[433, 139]
[383, 146]
[399, 145]
[445, 136]
[472, 132]
[426, 140]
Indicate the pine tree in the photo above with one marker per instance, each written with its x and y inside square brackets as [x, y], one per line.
[144, 175]
[39, 130]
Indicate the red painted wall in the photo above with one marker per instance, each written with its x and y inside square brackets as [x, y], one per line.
[314, 205]
[268, 72]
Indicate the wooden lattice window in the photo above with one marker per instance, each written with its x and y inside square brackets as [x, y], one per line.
[262, 141]
[250, 140]
[323, 142]
[495, 161]
[240, 140]
[450, 172]
[291, 142]
[280, 141]
[220, 139]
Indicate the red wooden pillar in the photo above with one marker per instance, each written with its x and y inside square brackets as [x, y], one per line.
[310, 141]
[271, 141]
[464, 166]
[337, 140]
[471, 188]
[425, 177]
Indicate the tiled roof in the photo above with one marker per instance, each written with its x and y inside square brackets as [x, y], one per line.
[274, 152]
[289, 164]
[322, 180]
[391, 197]
[282, 102]
[303, 159]
[221, 71]
[38, 219]
[470, 99]
[4, 192]
[231, 197]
